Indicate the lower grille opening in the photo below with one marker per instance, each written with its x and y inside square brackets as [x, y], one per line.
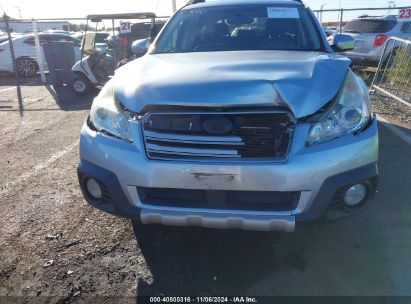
[220, 199]
[248, 135]
[338, 197]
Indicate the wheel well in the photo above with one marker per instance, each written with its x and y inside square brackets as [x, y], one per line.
[78, 73]
[29, 58]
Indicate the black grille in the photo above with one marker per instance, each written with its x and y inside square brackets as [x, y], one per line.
[218, 135]
[220, 199]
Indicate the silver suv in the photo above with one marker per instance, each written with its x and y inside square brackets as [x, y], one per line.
[370, 35]
[226, 122]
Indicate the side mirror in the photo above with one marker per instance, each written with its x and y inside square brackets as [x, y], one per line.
[343, 43]
[140, 47]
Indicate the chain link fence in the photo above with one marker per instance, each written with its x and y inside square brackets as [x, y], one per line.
[108, 43]
[108, 35]
[60, 49]
[382, 53]
[393, 76]
[370, 28]
[104, 32]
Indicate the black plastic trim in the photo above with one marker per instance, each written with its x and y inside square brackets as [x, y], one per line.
[322, 208]
[115, 202]
[325, 205]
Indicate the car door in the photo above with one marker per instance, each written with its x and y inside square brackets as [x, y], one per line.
[26, 47]
[76, 44]
[46, 38]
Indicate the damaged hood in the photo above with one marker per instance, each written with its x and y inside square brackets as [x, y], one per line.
[301, 81]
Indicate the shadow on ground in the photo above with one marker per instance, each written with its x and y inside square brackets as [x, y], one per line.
[64, 98]
[366, 255]
[68, 101]
[195, 261]
[8, 79]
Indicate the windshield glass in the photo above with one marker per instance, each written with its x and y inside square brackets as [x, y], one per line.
[88, 42]
[369, 26]
[245, 27]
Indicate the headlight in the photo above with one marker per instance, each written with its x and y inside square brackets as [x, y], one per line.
[107, 117]
[350, 112]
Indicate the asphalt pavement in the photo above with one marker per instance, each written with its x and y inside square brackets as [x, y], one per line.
[44, 218]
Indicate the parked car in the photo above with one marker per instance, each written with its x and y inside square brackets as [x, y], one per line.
[26, 55]
[77, 35]
[100, 40]
[4, 37]
[215, 130]
[51, 31]
[328, 32]
[370, 35]
[100, 36]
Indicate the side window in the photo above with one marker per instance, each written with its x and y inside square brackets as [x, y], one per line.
[57, 38]
[68, 38]
[406, 27]
[45, 39]
[29, 41]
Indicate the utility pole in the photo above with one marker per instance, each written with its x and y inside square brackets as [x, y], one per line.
[391, 4]
[174, 5]
[18, 9]
[13, 60]
[321, 13]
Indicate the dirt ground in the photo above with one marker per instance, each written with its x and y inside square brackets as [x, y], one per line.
[51, 240]
[56, 248]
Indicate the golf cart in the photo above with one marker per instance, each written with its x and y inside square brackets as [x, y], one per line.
[97, 63]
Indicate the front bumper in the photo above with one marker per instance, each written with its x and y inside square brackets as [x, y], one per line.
[319, 173]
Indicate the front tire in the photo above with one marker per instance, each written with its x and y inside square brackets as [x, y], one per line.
[80, 85]
[26, 67]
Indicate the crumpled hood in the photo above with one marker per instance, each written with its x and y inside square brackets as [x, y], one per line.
[301, 81]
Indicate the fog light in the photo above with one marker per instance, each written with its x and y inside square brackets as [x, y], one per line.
[93, 188]
[355, 195]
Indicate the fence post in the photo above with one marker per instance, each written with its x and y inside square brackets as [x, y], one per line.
[38, 52]
[341, 19]
[14, 62]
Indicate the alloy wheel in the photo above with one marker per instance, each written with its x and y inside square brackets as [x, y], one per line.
[26, 67]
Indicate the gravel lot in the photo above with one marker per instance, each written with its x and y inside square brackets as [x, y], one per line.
[393, 110]
[56, 248]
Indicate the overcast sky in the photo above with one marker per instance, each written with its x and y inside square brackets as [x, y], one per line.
[81, 8]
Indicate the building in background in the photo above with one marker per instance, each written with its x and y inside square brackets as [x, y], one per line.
[26, 26]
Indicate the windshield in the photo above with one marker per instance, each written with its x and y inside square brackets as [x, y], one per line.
[369, 26]
[245, 27]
